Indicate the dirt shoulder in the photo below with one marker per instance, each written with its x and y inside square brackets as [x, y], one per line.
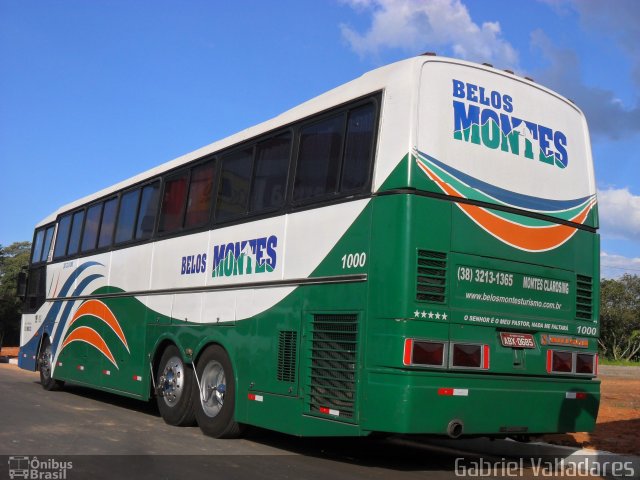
[618, 418]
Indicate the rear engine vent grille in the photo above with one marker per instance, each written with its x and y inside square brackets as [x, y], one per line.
[287, 354]
[584, 297]
[332, 366]
[431, 285]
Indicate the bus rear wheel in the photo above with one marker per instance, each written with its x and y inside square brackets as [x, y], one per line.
[176, 389]
[45, 363]
[215, 409]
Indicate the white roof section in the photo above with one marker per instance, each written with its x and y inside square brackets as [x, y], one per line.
[403, 74]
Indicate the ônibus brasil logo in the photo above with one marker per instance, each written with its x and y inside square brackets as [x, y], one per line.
[484, 117]
[246, 257]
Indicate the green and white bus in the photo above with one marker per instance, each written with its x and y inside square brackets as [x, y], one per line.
[415, 251]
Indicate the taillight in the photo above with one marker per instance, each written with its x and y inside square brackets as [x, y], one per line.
[467, 355]
[422, 352]
[585, 363]
[561, 362]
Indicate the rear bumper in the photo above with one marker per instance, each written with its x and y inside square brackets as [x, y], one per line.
[410, 402]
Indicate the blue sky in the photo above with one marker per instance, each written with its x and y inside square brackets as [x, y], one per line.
[94, 92]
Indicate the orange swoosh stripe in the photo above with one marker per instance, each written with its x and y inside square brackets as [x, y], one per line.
[99, 310]
[93, 338]
[534, 239]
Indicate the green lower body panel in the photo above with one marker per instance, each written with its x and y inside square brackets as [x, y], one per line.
[402, 402]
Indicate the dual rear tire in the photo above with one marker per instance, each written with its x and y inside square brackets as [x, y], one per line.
[208, 399]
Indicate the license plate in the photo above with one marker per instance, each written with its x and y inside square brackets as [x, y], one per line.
[517, 340]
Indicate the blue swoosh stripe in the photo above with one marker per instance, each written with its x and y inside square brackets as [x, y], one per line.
[511, 198]
[67, 309]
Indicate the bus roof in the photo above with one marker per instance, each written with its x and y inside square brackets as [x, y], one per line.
[374, 80]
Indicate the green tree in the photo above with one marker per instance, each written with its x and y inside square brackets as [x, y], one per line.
[12, 259]
[620, 317]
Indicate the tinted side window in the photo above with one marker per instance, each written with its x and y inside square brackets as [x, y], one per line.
[47, 244]
[200, 196]
[319, 159]
[235, 181]
[108, 223]
[37, 246]
[91, 227]
[270, 173]
[357, 152]
[173, 199]
[148, 211]
[63, 236]
[127, 216]
[76, 230]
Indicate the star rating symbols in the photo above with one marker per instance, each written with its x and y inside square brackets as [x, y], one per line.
[430, 314]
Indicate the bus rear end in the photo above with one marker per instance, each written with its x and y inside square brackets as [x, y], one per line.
[484, 298]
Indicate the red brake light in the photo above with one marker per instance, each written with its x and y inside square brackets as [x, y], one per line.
[561, 362]
[422, 352]
[428, 353]
[585, 363]
[465, 355]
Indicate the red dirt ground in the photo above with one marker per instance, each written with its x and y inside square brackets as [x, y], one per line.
[618, 419]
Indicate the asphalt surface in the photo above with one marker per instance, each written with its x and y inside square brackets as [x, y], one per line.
[108, 436]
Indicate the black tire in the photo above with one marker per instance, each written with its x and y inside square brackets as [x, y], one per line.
[45, 359]
[215, 409]
[176, 389]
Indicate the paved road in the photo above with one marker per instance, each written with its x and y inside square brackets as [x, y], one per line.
[107, 436]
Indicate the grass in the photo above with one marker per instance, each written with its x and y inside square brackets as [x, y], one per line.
[618, 363]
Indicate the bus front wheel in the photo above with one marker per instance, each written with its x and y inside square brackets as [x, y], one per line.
[45, 364]
[216, 405]
[176, 389]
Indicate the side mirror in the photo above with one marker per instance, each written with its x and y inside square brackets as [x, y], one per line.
[21, 288]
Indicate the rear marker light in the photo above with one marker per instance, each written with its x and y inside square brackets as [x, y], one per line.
[59, 364]
[408, 349]
[81, 367]
[255, 398]
[329, 411]
[137, 378]
[106, 372]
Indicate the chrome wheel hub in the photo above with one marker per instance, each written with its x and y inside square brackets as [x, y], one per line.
[213, 387]
[171, 382]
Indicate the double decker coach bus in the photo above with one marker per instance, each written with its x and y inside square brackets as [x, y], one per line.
[413, 252]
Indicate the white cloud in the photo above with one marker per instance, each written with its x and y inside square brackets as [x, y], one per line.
[422, 25]
[605, 113]
[614, 266]
[619, 212]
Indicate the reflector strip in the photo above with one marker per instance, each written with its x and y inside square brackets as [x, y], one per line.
[255, 398]
[106, 372]
[408, 349]
[454, 392]
[80, 367]
[549, 360]
[137, 378]
[329, 411]
[576, 395]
